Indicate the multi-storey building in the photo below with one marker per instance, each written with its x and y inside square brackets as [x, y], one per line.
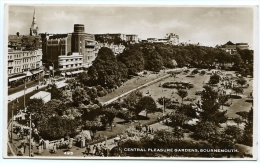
[132, 38]
[231, 48]
[172, 38]
[57, 46]
[110, 36]
[116, 49]
[24, 63]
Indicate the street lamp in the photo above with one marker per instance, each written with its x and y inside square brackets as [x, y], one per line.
[53, 69]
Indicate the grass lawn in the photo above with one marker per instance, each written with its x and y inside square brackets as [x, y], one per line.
[131, 84]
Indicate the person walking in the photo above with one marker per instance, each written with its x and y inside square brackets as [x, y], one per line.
[87, 148]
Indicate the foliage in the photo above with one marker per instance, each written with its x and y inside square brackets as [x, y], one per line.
[205, 129]
[131, 101]
[55, 127]
[182, 93]
[210, 107]
[238, 90]
[93, 126]
[222, 100]
[241, 81]
[55, 92]
[80, 96]
[214, 79]
[248, 130]
[105, 70]
[133, 59]
[178, 119]
[235, 132]
[110, 113]
[146, 103]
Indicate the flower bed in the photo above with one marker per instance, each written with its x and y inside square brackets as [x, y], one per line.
[177, 85]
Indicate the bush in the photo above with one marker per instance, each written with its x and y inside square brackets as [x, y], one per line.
[190, 76]
[203, 72]
[102, 93]
[195, 71]
[177, 85]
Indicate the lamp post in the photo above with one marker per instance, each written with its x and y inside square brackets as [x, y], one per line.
[30, 137]
[53, 69]
[12, 123]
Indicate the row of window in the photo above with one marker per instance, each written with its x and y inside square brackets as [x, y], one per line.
[20, 55]
[71, 66]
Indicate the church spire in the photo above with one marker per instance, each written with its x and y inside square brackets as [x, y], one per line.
[34, 26]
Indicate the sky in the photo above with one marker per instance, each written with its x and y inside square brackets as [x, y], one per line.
[207, 25]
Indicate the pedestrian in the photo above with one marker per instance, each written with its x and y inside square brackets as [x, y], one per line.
[54, 148]
[87, 148]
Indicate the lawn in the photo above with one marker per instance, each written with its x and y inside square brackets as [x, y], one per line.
[131, 84]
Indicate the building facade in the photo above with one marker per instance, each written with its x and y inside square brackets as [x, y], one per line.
[132, 38]
[172, 38]
[231, 48]
[23, 64]
[55, 47]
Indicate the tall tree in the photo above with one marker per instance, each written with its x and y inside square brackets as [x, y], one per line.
[133, 59]
[131, 101]
[110, 113]
[146, 103]
[182, 93]
[80, 96]
[248, 131]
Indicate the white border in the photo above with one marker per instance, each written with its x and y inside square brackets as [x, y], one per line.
[134, 3]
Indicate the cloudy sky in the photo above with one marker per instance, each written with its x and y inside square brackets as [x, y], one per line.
[207, 25]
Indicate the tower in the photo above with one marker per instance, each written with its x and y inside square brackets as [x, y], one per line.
[34, 26]
[78, 39]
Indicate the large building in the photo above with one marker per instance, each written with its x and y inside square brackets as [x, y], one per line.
[56, 47]
[24, 55]
[24, 63]
[172, 38]
[231, 48]
[132, 38]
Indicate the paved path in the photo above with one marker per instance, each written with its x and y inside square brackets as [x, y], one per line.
[28, 90]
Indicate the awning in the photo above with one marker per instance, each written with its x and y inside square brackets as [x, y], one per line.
[13, 79]
[63, 74]
[28, 73]
[36, 71]
[68, 73]
[76, 72]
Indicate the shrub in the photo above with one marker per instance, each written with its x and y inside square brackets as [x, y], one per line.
[203, 72]
[195, 71]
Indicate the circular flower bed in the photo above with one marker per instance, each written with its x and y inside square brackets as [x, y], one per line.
[177, 85]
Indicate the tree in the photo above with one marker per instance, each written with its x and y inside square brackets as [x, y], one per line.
[106, 70]
[241, 81]
[238, 121]
[55, 92]
[34, 105]
[131, 100]
[178, 119]
[80, 96]
[235, 132]
[248, 131]
[55, 127]
[210, 107]
[83, 77]
[133, 59]
[110, 114]
[238, 90]
[222, 100]
[93, 126]
[205, 129]
[182, 93]
[146, 103]
[214, 79]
